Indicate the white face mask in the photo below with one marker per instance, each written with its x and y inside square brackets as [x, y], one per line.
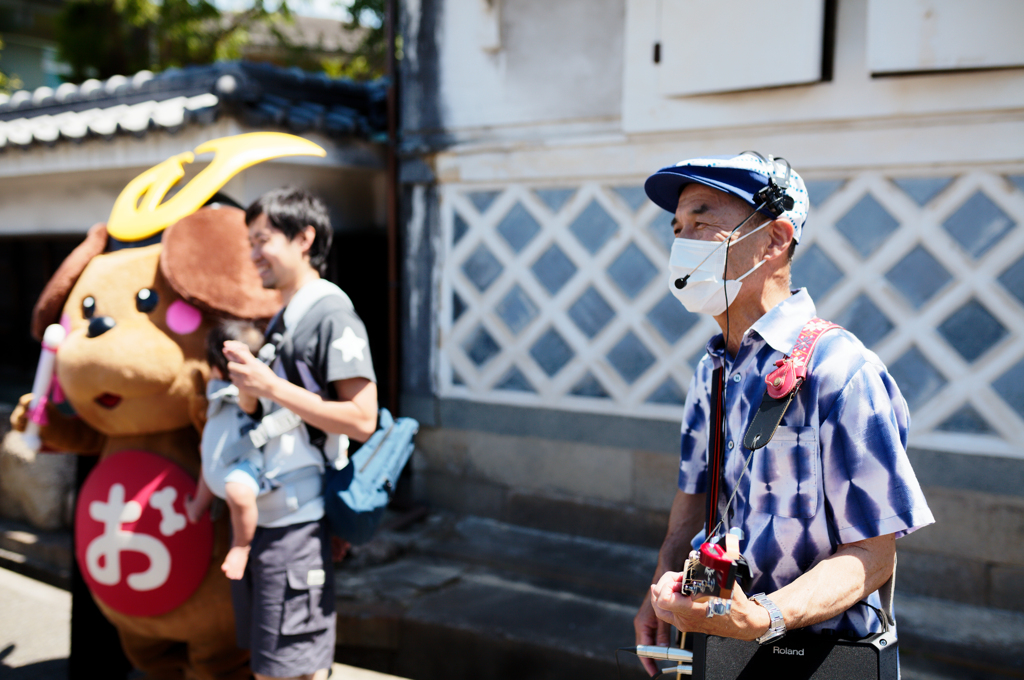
[698, 267]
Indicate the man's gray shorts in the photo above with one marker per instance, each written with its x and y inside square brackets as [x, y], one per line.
[284, 605]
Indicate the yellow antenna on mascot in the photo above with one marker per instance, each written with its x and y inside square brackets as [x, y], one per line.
[140, 212]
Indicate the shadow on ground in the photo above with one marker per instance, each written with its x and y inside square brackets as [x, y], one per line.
[52, 669]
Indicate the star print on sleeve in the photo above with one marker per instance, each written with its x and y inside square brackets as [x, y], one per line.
[350, 345]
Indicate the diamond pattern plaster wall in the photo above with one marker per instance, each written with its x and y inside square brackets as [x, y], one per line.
[556, 297]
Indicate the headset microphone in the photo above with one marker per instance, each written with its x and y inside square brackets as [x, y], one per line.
[774, 198]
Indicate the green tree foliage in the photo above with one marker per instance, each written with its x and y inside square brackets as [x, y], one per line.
[102, 38]
[370, 59]
[8, 83]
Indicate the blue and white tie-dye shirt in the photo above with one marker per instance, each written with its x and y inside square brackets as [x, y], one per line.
[836, 470]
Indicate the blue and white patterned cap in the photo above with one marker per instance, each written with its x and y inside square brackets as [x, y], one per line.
[742, 176]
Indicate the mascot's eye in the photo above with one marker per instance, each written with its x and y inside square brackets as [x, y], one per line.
[88, 307]
[146, 300]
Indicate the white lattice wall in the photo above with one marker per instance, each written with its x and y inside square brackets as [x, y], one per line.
[556, 297]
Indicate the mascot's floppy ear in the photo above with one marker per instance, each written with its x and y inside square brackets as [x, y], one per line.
[51, 301]
[205, 258]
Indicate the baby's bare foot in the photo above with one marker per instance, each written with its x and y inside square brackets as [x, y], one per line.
[234, 563]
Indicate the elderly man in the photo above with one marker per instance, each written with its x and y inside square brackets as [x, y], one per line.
[819, 507]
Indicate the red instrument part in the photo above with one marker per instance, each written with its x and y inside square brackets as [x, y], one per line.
[138, 552]
[715, 571]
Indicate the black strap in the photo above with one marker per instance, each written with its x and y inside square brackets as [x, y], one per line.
[767, 418]
[286, 352]
[716, 451]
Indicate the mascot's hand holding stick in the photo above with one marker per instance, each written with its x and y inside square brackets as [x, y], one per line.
[52, 338]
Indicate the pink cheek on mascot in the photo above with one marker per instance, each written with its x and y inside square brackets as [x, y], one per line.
[183, 318]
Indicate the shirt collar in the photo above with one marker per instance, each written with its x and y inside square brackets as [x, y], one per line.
[780, 326]
[300, 302]
[307, 296]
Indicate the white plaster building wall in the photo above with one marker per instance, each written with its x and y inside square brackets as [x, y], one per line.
[553, 290]
[522, 62]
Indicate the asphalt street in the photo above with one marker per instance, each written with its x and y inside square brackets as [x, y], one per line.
[35, 622]
[35, 636]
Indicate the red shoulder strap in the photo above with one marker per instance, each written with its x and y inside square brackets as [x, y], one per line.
[792, 369]
[716, 451]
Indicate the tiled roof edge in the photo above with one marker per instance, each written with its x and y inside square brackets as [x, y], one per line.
[231, 81]
[262, 95]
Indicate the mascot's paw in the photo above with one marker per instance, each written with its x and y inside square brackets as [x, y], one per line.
[62, 432]
[19, 416]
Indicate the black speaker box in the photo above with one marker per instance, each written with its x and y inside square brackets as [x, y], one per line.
[800, 655]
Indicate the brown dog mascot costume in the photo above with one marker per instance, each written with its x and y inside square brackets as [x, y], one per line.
[137, 298]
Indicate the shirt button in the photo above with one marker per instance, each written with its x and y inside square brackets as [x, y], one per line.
[736, 377]
[731, 445]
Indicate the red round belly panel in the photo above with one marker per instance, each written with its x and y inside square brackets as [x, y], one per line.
[135, 547]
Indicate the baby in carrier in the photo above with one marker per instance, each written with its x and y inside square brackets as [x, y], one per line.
[232, 465]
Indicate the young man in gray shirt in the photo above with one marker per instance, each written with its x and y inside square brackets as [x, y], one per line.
[284, 603]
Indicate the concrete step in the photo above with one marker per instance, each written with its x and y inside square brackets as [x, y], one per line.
[979, 640]
[612, 572]
[472, 597]
[480, 625]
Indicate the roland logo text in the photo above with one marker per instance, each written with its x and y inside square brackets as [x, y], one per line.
[787, 651]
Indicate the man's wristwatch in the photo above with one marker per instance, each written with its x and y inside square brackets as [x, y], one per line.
[777, 628]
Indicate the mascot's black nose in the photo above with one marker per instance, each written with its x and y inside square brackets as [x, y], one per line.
[100, 325]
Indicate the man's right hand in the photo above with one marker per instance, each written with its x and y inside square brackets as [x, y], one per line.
[684, 521]
[252, 377]
[650, 630]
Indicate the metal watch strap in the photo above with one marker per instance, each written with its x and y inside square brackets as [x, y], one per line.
[777, 628]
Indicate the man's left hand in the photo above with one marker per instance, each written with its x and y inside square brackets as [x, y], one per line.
[746, 620]
[250, 375]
